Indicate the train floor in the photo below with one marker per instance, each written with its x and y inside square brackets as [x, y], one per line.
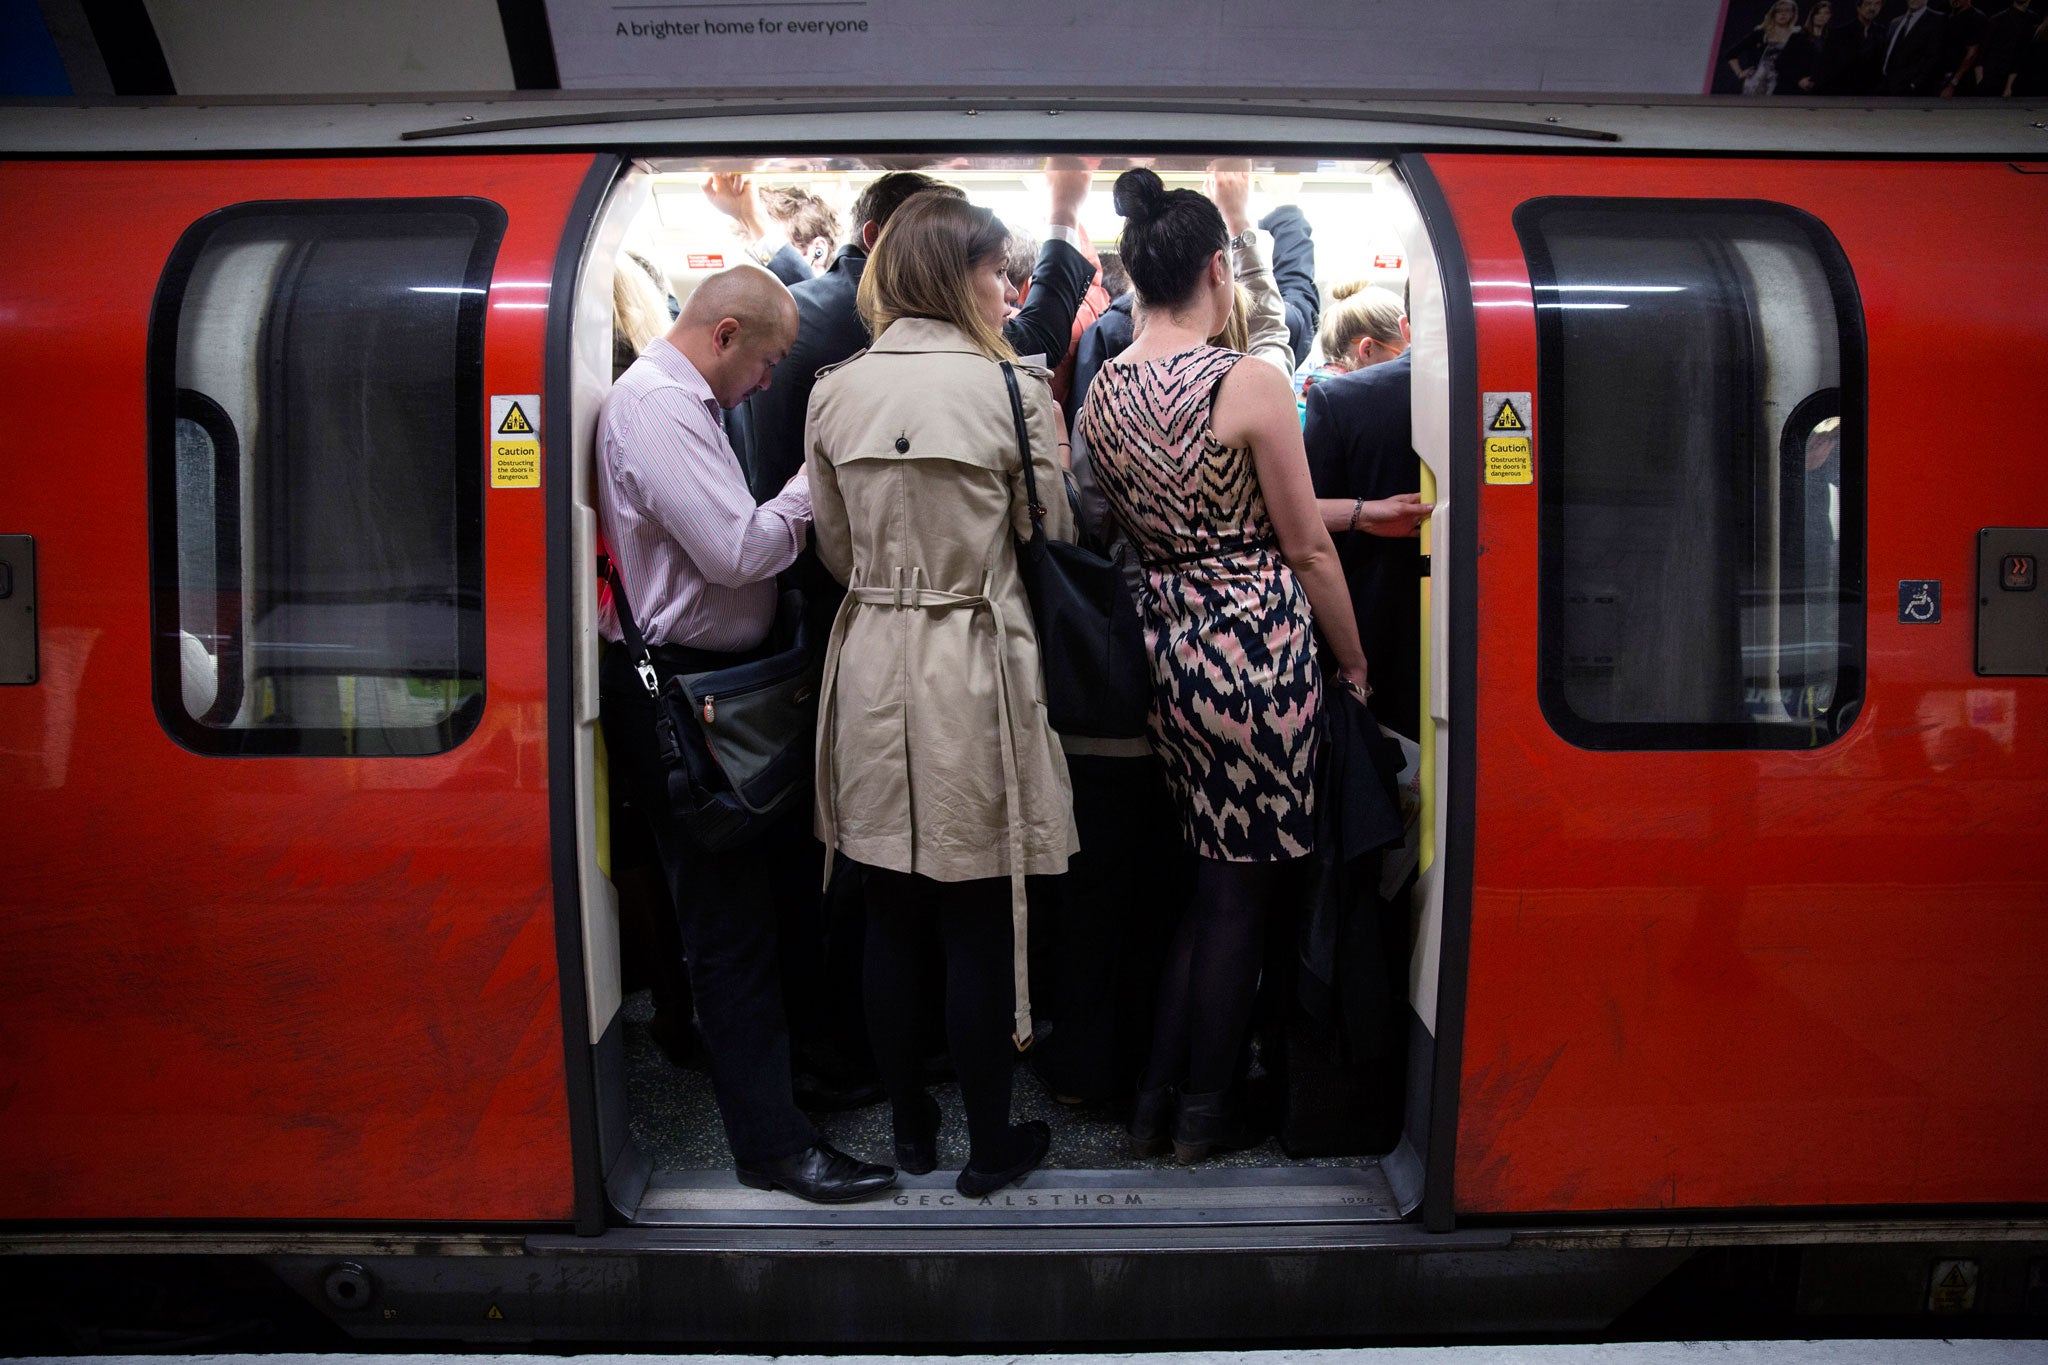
[1089, 1172]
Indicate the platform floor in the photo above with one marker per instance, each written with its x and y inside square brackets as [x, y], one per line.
[1906, 1352]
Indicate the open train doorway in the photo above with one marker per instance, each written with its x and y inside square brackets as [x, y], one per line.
[1346, 1120]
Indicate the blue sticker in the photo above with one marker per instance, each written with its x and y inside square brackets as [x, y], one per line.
[1919, 601]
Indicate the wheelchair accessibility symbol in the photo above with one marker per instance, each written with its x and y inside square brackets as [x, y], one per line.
[1919, 601]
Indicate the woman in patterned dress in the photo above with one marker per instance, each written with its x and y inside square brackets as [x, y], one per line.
[1201, 462]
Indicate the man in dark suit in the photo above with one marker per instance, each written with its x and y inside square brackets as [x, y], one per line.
[1294, 271]
[1913, 50]
[1360, 451]
[829, 328]
[1852, 54]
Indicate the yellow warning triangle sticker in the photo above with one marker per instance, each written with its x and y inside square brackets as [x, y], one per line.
[494, 1313]
[1954, 1279]
[1507, 419]
[515, 423]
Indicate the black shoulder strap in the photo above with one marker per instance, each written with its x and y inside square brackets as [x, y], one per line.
[1024, 450]
[643, 658]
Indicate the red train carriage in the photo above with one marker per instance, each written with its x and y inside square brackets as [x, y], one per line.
[1733, 925]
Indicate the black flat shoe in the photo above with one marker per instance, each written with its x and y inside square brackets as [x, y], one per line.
[1211, 1123]
[918, 1152]
[981, 1184]
[1151, 1127]
[820, 1173]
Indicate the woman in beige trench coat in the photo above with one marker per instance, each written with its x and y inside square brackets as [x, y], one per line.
[936, 768]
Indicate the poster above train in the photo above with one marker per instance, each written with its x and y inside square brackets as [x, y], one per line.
[1778, 48]
[1597, 46]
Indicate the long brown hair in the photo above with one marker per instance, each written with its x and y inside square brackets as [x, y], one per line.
[921, 266]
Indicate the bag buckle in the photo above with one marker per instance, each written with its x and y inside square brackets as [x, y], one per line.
[645, 668]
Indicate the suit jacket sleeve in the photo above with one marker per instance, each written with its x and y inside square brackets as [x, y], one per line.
[1325, 442]
[1294, 270]
[1045, 324]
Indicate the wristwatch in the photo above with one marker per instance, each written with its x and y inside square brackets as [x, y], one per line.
[1245, 238]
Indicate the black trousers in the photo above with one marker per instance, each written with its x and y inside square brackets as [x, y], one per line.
[1099, 943]
[726, 915]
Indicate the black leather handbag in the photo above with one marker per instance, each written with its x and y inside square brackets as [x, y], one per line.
[736, 744]
[1098, 682]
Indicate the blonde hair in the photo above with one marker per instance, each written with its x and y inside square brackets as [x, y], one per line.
[639, 308]
[921, 266]
[1237, 328]
[1362, 311]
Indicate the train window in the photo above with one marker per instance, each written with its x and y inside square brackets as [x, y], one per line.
[1700, 400]
[316, 377]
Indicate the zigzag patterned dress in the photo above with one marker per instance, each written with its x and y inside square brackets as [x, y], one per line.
[1233, 654]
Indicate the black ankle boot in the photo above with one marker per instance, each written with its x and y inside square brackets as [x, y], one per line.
[1152, 1121]
[917, 1147]
[1209, 1123]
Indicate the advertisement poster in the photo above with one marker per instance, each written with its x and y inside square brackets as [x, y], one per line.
[1593, 46]
[1924, 49]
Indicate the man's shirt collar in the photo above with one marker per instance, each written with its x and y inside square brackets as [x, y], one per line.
[677, 366]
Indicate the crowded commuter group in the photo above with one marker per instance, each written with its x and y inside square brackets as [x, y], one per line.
[831, 476]
[1922, 48]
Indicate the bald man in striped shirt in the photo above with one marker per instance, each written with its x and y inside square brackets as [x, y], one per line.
[698, 559]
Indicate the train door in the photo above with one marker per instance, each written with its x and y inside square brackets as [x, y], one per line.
[280, 935]
[665, 1159]
[1757, 906]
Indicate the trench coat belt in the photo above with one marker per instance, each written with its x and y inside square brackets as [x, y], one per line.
[908, 593]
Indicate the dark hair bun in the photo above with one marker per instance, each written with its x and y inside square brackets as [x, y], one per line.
[1139, 194]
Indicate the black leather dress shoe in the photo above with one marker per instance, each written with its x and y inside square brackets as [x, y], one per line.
[820, 1173]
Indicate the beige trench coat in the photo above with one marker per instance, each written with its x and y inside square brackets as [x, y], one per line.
[934, 755]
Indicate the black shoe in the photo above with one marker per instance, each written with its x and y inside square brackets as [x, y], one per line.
[814, 1094]
[820, 1173]
[917, 1149]
[1037, 1139]
[1210, 1123]
[1151, 1127]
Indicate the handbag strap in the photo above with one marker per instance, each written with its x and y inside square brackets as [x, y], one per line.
[1024, 451]
[643, 658]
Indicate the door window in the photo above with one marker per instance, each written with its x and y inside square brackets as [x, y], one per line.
[1700, 385]
[316, 374]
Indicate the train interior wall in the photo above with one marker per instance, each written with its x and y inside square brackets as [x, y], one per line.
[665, 1151]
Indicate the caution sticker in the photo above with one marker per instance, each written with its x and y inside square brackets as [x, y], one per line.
[515, 440]
[1952, 1288]
[1507, 413]
[1507, 435]
[1510, 459]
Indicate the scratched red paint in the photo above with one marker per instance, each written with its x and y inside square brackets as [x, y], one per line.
[257, 988]
[1706, 980]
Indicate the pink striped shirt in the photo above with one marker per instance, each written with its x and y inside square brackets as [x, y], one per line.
[698, 558]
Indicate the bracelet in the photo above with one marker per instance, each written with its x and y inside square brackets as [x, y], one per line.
[1362, 691]
[1351, 524]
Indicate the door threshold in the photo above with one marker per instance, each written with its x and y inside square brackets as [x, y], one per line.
[1056, 1198]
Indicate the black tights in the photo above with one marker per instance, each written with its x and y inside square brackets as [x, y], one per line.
[1212, 976]
[972, 919]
